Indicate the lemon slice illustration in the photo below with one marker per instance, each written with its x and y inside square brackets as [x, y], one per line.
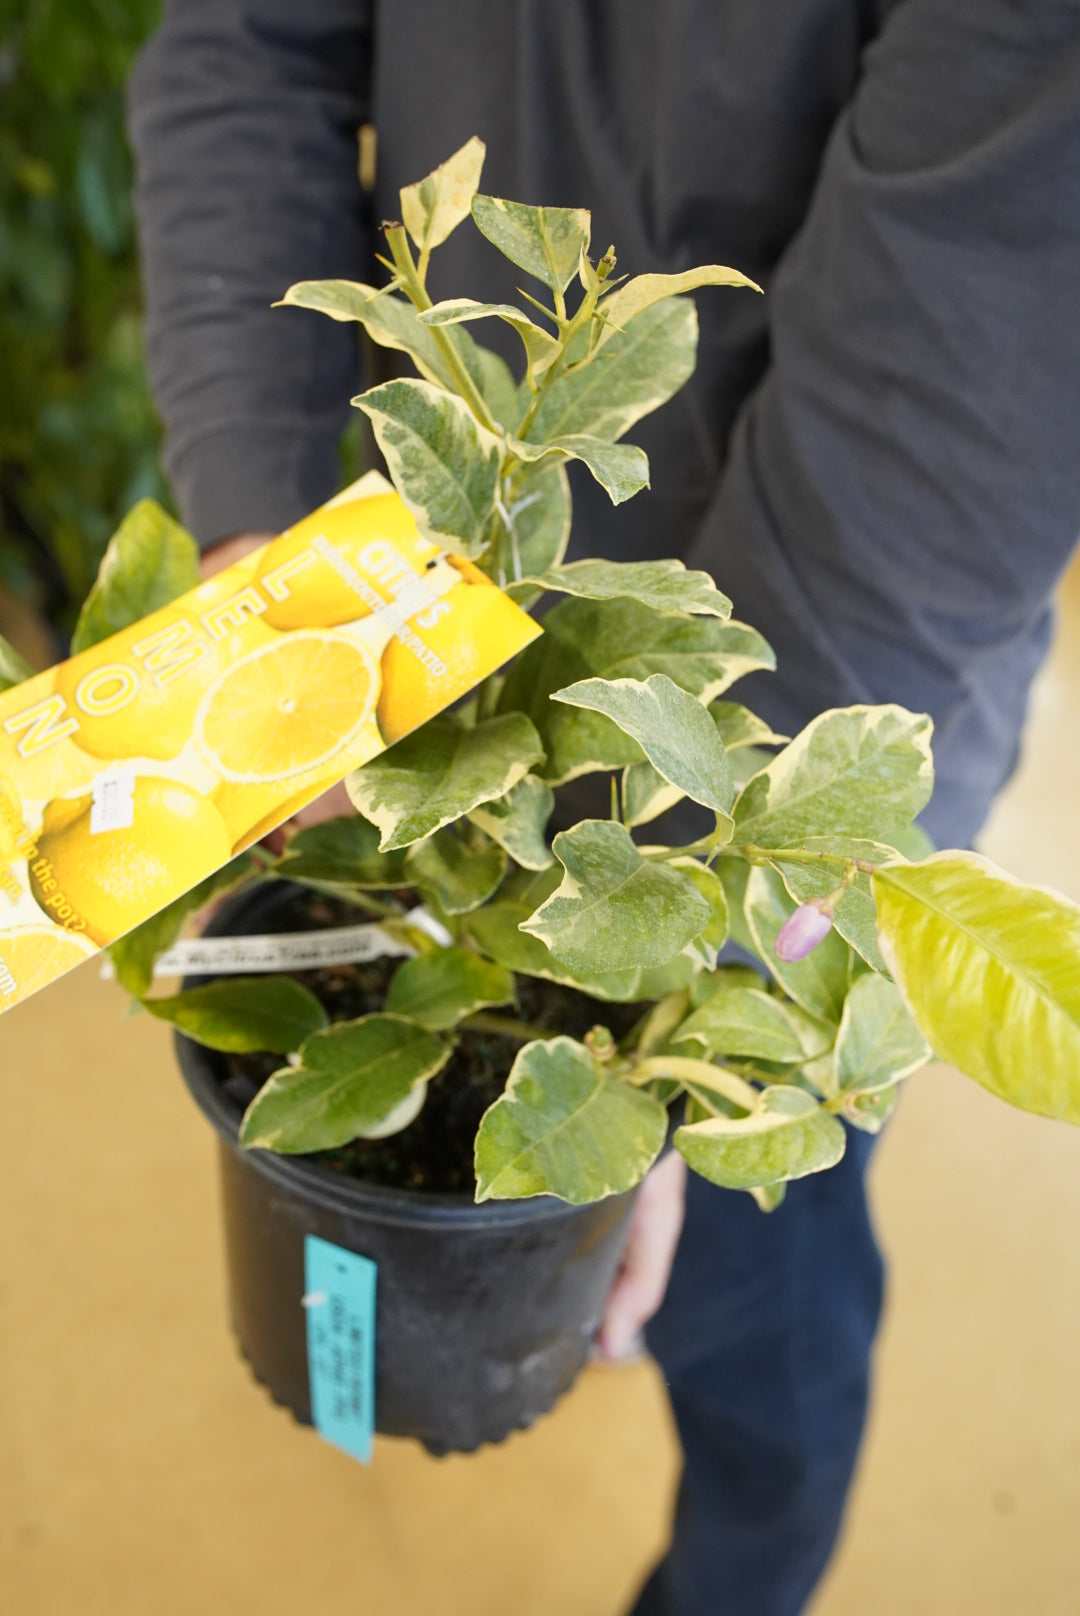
[32, 956]
[288, 707]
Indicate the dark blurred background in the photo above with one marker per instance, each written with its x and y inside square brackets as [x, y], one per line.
[78, 436]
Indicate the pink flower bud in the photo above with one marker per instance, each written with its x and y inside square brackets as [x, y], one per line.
[803, 931]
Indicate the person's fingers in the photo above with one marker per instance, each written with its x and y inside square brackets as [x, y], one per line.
[654, 1234]
[228, 551]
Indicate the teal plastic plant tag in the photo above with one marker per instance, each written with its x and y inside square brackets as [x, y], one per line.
[340, 1304]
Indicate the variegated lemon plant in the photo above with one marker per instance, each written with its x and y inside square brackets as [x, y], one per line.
[872, 951]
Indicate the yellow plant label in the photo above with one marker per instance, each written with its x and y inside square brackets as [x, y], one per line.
[139, 767]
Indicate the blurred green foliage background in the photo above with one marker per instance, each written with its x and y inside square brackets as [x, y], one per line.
[78, 436]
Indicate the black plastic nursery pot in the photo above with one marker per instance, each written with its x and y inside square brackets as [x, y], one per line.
[484, 1314]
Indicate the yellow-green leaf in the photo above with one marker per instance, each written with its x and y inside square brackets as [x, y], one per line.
[437, 204]
[990, 969]
[786, 1136]
[150, 560]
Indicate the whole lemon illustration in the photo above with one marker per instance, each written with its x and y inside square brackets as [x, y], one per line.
[121, 709]
[302, 586]
[113, 879]
[412, 689]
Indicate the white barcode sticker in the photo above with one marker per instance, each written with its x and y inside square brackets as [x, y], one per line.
[112, 805]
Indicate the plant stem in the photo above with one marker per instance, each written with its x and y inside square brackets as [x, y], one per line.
[416, 292]
[567, 333]
[702, 1072]
[505, 1026]
[801, 855]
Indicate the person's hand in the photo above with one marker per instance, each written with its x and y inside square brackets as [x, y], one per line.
[229, 551]
[646, 1268]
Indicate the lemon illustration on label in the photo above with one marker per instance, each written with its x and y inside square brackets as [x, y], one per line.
[378, 537]
[113, 879]
[287, 707]
[135, 694]
[415, 685]
[252, 811]
[33, 956]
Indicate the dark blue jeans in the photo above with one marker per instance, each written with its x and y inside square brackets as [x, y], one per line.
[764, 1339]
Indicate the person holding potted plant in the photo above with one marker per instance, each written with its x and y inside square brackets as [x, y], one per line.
[855, 461]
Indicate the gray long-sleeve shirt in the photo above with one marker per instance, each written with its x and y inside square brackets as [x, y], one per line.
[880, 461]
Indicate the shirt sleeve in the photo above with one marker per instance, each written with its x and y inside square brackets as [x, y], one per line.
[903, 488]
[244, 117]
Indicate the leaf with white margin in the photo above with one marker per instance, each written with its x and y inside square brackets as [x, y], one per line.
[820, 981]
[646, 795]
[737, 727]
[629, 376]
[438, 990]
[541, 348]
[745, 1021]
[495, 929]
[566, 1127]
[443, 463]
[440, 772]
[621, 469]
[438, 203]
[990, 970]
[665, 586]
[631, 299]
[878, 1043]
[853, 771]
[619, 639]
[673, 730]
[546, 242]
[614, 909]
[461, 876]
[788, 1135]
[518, 822]
[341, 852]
[351, 1077]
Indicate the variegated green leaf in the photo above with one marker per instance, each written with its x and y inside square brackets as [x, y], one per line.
[460, 875]
[443, 463]
[615, 910]
[878, 1043]
[786, 1136]
[546, 242]
[440, 989]
[632, 374]
[853, 771]
[437, 204]
[518, 822]
[737, 727]
[440, 772]
[541, 348]
[673, 730]
[744, 1021]
[351, 1077]
[665, 586]
[341, 852]
[566, 1127]
[631, 299]
[619, 639]
[646, 794]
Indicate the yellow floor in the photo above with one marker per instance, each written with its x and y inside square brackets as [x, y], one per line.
[141, 1471]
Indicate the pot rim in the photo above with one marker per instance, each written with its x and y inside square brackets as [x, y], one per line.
[334, 1191]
